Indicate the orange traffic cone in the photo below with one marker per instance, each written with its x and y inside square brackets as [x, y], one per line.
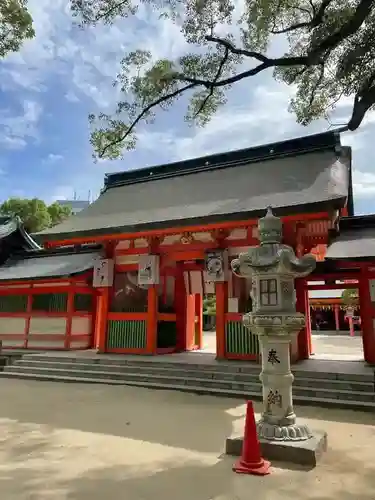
[251, 461]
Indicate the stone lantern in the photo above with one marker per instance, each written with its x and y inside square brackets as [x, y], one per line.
[272, 268]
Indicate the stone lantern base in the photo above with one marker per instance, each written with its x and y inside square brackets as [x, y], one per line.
[295, 432]
[306, 453]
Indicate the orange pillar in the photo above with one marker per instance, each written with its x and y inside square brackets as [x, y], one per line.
[100, 331]
[69, 320]
[199, 316]
[367, 318]
[308, 321]
[337, 317]
[152, 320]
[221, 290]
[302, 306]
[180, 307]
[189, 322]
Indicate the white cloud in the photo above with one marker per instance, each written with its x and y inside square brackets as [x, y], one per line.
[62, 192]
[363, 183]
[71, 97]
[16, 130]
[86, 60]
[53, 158]
[257, 113]
[9, 142]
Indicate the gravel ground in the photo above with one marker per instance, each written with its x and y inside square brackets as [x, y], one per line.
[74, 441]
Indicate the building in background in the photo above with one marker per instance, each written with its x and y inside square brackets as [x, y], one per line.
[75, 205]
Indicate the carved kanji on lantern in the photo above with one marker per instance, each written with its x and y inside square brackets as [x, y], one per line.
[273, 357]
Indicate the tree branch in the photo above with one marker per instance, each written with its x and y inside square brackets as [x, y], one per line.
[217, 76]
[232, 48]
[313, 23]
[143, 113]
[362, 103]
[360, 108]
[208, 84]
[317, 84]
[105, 13]
[349, 28]
[270, 63]
[111, 10]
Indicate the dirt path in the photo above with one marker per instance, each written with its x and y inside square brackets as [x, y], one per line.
[65, 441]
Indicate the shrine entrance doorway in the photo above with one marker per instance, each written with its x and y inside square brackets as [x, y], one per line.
[335, 319]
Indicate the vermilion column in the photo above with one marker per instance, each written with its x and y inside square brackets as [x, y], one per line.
[152, 319]
[367, 318]
[302, 306]
[199, 316]
[101, 319]
[337, 317]
[180, 307]
[221, 290]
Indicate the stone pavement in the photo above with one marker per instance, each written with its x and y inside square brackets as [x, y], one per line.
[78, 442]
[326, 345]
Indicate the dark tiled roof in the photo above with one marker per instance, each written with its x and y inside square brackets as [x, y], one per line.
[290, 179]
[44, 266]
[327, 141]
[11, 225]
[356, 239]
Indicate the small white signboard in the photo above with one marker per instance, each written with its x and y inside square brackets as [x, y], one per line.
[217, 265]
[103, 273]
[148, 270]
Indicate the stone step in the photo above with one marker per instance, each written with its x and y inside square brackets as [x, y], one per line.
[165, 379]
[176, 371]
[250, 368]
[221, 366]
[196, 380]
[337, 385]
[302, 400]
[353, 377]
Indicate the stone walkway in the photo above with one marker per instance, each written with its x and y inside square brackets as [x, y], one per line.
[80, 442]
[326, 345]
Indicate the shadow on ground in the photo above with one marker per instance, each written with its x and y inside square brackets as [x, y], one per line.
[77, 442]
[130, 412]
[200, 423]
[182, 481]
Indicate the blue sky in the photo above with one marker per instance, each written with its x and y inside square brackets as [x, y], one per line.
[50, 86]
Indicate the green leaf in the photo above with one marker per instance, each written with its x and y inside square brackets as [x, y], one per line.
[324, 49]
[16, 25]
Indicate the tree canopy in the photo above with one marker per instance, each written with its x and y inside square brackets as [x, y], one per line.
[209, 305]
[35, 214]
[350, 296]
[16, 25]
[330, 54]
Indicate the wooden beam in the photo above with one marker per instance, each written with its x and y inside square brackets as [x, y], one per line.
[177, 230]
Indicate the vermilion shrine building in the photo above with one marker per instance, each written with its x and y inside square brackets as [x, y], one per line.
[127, 274]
